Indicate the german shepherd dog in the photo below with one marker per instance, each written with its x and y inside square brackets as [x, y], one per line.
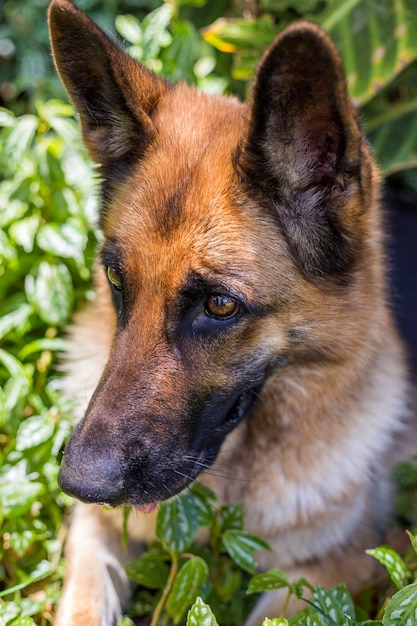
[241, 334]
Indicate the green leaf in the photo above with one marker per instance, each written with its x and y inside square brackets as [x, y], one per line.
[187, 585]
[23, 621]
[21, 137]
[228, 582]
[7, 251]
[34, 431]
[176, 524]
[309, 617]
[23, 232]
[17, 497]
[8, 611]
[19, 383]
[266, 581]
[388, 39]
[129, 28]
[202, 500]
[38, 345]
[62, 240]
[42, 570]
[155, 33]
[402, 608]
[241, 34]
[201, 614]
[179, 57]
[231, 517]
[125, 621]
[393, 563]
[335, 603]
[50, 291]
[302, 6]
[240, 546]
[413, 539]
[277, 621]
[149, 570]
[15, 319]
[7, 118]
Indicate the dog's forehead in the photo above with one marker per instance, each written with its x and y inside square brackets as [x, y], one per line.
[180, 199]
[183, 210]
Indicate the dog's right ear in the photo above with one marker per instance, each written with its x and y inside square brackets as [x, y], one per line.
[114, 95]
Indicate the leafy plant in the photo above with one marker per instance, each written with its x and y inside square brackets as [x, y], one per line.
[386, 36]
[171, 46]
[176, 569]
[178, 574]
[46, 247]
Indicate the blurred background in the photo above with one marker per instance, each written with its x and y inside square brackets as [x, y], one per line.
[48, 204]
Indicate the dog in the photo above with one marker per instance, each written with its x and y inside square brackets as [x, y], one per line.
[241, 333]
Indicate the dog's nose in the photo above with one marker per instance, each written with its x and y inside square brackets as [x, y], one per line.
[91, 478]
[107, 488]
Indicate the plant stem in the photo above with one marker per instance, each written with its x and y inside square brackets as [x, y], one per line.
[165, 592]
[287, 599]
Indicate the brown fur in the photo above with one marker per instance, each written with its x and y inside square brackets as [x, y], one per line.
[297, 401]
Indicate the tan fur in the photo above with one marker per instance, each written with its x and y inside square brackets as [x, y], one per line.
[311, 461]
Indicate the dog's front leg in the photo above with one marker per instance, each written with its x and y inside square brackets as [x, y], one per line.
[96, 584]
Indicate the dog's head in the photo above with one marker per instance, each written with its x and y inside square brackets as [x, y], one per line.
[234, 241]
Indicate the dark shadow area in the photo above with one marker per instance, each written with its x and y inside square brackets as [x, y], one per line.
[402, 257]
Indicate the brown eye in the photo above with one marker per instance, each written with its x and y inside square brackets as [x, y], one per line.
[221, 307]
[114, 277]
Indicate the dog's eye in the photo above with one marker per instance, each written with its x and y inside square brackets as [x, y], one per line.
[114, 277]
[221, 307]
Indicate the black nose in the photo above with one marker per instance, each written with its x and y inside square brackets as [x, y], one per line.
[91, 477]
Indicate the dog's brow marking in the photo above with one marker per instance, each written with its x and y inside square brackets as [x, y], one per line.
[170, 214]
[110, 253]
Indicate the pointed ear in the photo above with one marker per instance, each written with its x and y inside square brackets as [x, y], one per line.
[303, 150]
[114, 95]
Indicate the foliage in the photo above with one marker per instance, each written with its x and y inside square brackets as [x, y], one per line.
[25, 59]
[177, 569]
[176, 575]
[46, 243]
[193, 40]
[388, 44]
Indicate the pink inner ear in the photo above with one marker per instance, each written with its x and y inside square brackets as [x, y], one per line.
[322, 148]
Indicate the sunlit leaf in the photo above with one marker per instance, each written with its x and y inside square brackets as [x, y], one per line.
[393, 563]
[402, 608]
[50, 291]
[62, 240]
[335, 603]
[187, 585]
[33, 431]
[129, 28]
[201, 614]
[241, 546]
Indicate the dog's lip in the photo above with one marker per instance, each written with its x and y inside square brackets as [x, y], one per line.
[202, 459]
[239, 410]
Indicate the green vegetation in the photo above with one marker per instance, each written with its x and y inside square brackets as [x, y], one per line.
[222, 575]
[47, 243]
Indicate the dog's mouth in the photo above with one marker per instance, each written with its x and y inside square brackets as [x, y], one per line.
[202, 460]
[159, 472]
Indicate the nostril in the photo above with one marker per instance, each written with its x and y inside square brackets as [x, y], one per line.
[95, 480]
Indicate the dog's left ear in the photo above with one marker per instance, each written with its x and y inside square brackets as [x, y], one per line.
[303, 150]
